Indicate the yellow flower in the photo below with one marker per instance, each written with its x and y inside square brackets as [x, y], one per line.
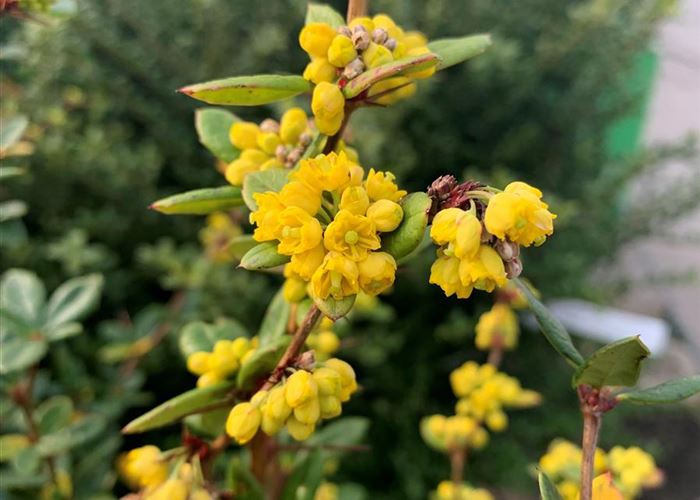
[386, 215]
[458, 431]
[364, 21]
[604, 488]
[277, 406]
[459, 228]
[297, 231]
[300, 194]
[209, 378]
[316, 38]
[445, 273]
[266, 216]
[244, 135]
[294, 290]
[424, 73]
[326, 491]
[142, 467]
[320, 70]
[484, 272]
[381, 186]
[519, 214]
[300, 388]
[351, 235]
[238, 169]
[348, 383]
[329, 172]
[306, 263]
[328, 106]
[386, 23]
[327, 342]
[293, 123]
[341, 51]
[308, 412]
[497, 421]
[377, 273]
[198, 362]
[414, 39]
[376, 55]
[268, 142]
[330, 406]
[391, 90]
[200, 494]
[172, 489]
[328, 381]
[465, 379]
[299, 430]
[336, 277]
[222, 360]
[243, 422]
[499, 325]
[355, 200]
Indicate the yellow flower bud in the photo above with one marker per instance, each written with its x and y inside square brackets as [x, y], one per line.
[347, 377]
[294, 122]
[320, 70]
[376, 55]
[392, 90]
[277, 406]
[499, 326]
[200, 494]
[254, 155]
[238, 169]
[209, 378]
[240, 346]
[414, 39]
[244, 135]
[270, 425]
[355, 200]
[308, 412]
[172, 489]
[328, 106]
[377, 273]
[222, 360]
[497, 421]
[299, 430]
[300, 388]
[327, 342]
[364, 21]
[424, 73]
[381, 186]
[294, 290]
[271, 163]
[259, 398]
[198, 362]
[326, 491]
[386, 215]
[301, 195]
[330, 407]
[341, 51]
[268, 142]
[316, 38]
[243, 422]
[328, 381]
[480, 438]
[142, 467]
[337, 277]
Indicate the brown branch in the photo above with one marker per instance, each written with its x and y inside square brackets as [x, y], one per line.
[356, 8]
[496, 351]
[458, 457]
[591, 428]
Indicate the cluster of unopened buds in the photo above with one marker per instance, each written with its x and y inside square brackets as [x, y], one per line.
[298, 403]
[340, 55]
[630, 469]
[479, 230]
[328, 219]
[224, 360]
[217, 235]
[447, 490]
[453, 432]
[323, 340]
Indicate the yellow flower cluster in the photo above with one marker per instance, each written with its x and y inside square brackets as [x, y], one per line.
[298, 403]
[226, 358]
[632, 468]
[497, 328]
[323, 340]
[454, 432]
[327, 491]
[328, 219]
[339, 55]
[217, 235]
[484, 392]
[447, 490]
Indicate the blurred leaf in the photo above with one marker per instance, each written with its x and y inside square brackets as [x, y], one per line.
[306, 477]
[74, 299]
[346, 431]
[365, 80]
[617, 363]
[11, 131]
[668, 392]
[551, 327]
[335, 309]
[185, 404]
[20, 480]
[53, 414]
[240, 245]
[23, 295]
[409, 234]
[18, 353]
[274, 323]
[547, 489]
[200, 201]
[76, 434]
[8, 172]
[263, 256]
[456, 50]
[322, 13]
[199, 336]
[27, 461]
[11, 445]
[351, 491]
[63, 331]
[208, 424]
[213, 126]
[12, 209]
[273, 179]
[248, 90]
[262, 361]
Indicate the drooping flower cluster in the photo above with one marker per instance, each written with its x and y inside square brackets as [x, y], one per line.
[224, 360]
[479, 231]
[217, 235]
[632, 469]
[447, 490]
[484, 392]
[329, 219]
[297, 403]
[339, 55]
[454, 432]
[497, 328]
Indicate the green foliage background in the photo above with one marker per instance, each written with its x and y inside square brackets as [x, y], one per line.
[111, 136]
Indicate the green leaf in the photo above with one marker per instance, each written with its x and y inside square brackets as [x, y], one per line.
[76, 434]
[8, 172]
[456, 50]
[212, 125]
[248, 90]
[63, 331]
[22, 294]
[11, 445]
[613, 364]
[240, 245]
[273, 179]
[352, 491]
[410, 233]
[274, 323]
[27, 461]
[208, 424]
[263, 256]
[335, 309]
[551, 328]
[11, 131]
[307, 475]
[668, 392]
[18, 353]
[321, 13]
[199, 336]
[12, 209]
[22, 480]
[365, 80]
[547, 489]
[74, 299]
[188, 403]
[262, 361]
[346, 431]
[200, 201]
[54, 414]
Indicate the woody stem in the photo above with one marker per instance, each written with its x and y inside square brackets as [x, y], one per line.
[356, 8]
[591, 428]
[458, 457]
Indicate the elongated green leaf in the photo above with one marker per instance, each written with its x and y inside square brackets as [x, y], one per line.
[18, 353]
[352, 491]
[551, 328]
[62, 331]
[613, 364]
[456, 50]
[11, 131]
[240, 245]
[212, 127]
[200, 201]
[12, 209]
[199, 336]
[668, 392]
[22, 294]
[305, 478]
[273, 179]
[321, 13]
[74, 299]
[547, 489]
[263, 256]
[410, 232]
[54, 414]
[262, 361]
[344, 431]
[11, 445]
[248, 90]
[21, 480]
[365, 80]
[274, 324]
[8, 172]
[76, 434]
[180, 406]
[335, 309]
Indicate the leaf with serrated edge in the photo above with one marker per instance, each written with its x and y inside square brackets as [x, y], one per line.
[365, 80]
[200, 201]
[614, 364]
[212, 125]
[457, 50]
[248, 90]
[672, 391]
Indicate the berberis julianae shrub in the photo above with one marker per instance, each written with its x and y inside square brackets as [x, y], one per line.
[338, 232]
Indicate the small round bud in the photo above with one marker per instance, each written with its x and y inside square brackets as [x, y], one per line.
[344, 30]
[243, 422]
[300, 387]
[354, 68]
[293, 124]
[386, 215]
[305, 139]
[281, 152]
[269, 125]
[390, 43]
[376, 55]
[507, 249]
[379, 36]
[513, 268]
[299, 430]
[360, 38]
[308, 412]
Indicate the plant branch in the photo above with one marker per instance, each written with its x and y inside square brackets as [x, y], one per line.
[496, 351]
[356, 8]
[458, 457]
[592, 420]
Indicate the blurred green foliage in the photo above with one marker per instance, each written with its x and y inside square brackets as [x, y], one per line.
[110, 136]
